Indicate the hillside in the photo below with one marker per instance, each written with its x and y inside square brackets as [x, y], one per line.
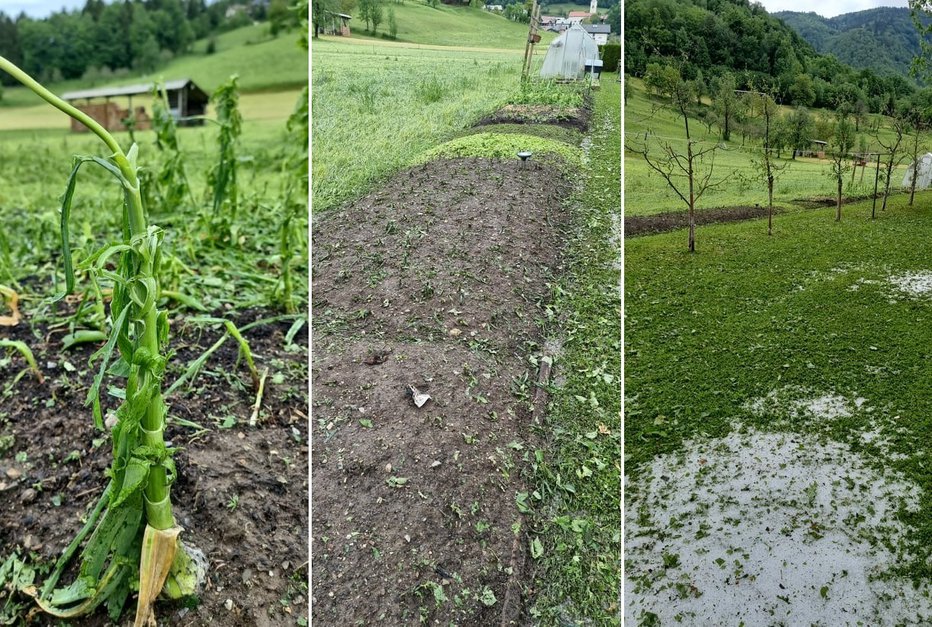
[450, 26]
[262, 63]
[882, 39]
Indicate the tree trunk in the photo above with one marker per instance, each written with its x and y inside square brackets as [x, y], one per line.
[770, 205]
[886, 187]
[692, 198]
[838, 202]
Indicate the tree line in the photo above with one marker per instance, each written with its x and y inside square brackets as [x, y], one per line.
[708, 38]
[125, 34]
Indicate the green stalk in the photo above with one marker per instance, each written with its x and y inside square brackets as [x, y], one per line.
[158, 504]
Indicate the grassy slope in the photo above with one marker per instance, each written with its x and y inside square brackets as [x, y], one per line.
[647, 193]
[452, 26]
[265, 65]
[264, 107]
[578, 480]
[705, 333]
[376, 107]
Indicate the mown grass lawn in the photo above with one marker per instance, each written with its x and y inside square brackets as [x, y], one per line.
[814, 307]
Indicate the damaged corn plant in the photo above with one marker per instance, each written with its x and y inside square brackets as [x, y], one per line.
[222, 177]
[130, 540]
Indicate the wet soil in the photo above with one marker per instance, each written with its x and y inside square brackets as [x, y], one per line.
[673, 220]
[435, 281]
[241, 493]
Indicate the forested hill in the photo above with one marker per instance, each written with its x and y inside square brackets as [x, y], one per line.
[883, 39]
[706, 39]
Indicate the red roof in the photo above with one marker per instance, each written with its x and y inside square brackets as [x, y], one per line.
[579, 14]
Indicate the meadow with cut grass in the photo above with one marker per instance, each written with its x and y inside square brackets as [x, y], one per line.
[161, 289]
[776, 395]
[444, 266]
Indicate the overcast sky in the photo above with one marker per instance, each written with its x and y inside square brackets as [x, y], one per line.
[38, 8]
[825, 8]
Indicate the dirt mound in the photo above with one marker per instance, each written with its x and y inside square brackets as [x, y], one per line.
[240, 493]
[672, 220]
[434, 282]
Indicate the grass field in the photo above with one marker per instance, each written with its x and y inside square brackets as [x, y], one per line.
[755, 350]
[266, 65]
[647, 193]
[452, 26]
[814, 308]
[375, 108]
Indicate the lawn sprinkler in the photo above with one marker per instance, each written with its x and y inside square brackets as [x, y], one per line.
[524, 155]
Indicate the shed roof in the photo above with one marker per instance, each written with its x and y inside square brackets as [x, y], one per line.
[594, 29]
[127, 90]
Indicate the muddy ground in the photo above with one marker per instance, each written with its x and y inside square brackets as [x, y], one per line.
[435, 281]
[241, 494]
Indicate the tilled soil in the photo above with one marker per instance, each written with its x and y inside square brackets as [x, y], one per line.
[435, 281]
[673, 220]
[241, 493]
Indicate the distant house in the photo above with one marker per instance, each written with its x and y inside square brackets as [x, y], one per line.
[576, 17]
[234, 10]
[338, 24]
[554, 23]
[186, 101]
[816, 149]
[494, 7]
[599, 32]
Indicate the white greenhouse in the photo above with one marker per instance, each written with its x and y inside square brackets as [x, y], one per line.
[567, 55]
[925, 173]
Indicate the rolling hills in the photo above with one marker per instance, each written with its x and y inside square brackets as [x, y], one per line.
[882, 39]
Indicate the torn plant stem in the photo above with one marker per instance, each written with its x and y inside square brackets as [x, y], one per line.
[141, 459]
[254, 417]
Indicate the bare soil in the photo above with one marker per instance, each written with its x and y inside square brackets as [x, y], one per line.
[567, 117]
[241, 494]
[673, 220]
[434, 281]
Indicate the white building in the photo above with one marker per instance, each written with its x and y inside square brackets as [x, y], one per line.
[599, 32]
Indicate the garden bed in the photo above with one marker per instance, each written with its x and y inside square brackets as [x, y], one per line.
[434, 281]
[240, 493]
[673, 220]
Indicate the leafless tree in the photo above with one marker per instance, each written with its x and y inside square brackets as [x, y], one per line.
[764, 106]
[843, 142]
[689, 173]
[891, 147]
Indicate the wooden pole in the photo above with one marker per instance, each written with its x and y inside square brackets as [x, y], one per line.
[529, 46]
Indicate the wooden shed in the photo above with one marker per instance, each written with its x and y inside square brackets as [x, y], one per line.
[186, 101]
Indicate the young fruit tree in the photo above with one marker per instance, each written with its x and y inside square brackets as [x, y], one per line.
[916, 121]
[892, 149]
[688, 173]
[130, 539]
[843, 142]
[768, 168]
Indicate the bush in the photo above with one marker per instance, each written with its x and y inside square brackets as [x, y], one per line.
[611, 56]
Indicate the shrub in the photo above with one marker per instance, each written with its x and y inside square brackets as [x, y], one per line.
[611, 57]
